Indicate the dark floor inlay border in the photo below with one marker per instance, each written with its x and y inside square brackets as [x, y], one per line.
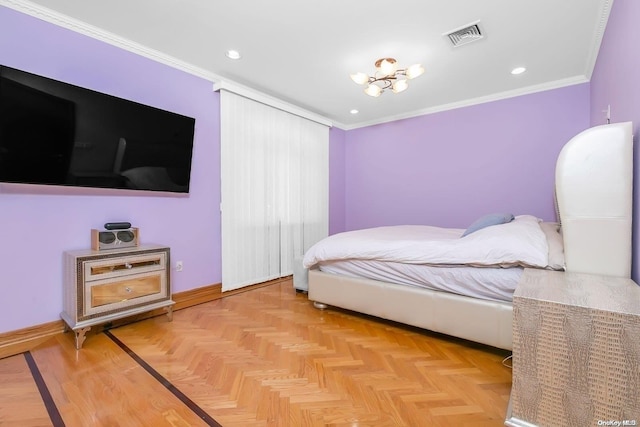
[166, 383]
[52, 409]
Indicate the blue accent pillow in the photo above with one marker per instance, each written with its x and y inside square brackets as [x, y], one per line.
[486, 221]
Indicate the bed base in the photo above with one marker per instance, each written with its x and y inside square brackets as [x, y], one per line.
[482, 321]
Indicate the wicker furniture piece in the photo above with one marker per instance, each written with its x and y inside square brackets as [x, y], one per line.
[101, 286]
[576, 350]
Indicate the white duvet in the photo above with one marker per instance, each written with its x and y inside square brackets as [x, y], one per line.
[520, 242]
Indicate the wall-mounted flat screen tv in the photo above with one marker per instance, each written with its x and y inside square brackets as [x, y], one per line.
[54, 133]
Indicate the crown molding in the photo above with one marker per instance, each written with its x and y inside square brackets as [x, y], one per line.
[61, 20]
[64, 21]
[263, 98]
[474, 101]
[605, 7]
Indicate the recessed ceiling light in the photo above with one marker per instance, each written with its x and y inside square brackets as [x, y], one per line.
[354, 111]
[518, 70]
[233, 54]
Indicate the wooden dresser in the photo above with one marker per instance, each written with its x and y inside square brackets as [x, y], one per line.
[576, 351]
[101, 286]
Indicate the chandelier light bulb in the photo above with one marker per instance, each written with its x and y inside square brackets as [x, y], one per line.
[400, 86]
[388, 66]
[360, 78]
[414, 71]
[373, 90]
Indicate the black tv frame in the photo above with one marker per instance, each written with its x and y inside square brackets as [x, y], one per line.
[56, 134]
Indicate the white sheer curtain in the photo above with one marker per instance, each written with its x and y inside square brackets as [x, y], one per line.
[275, 197]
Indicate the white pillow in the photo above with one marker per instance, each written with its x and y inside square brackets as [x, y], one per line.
[556, 245]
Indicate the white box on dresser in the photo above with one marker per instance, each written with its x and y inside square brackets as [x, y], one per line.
[101, 286]
[576, 351]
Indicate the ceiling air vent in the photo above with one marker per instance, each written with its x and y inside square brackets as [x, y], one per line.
[465, 35]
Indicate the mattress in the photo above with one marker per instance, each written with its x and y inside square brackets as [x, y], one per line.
[493, 284]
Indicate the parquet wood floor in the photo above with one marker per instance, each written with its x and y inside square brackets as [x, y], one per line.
[20, 400]
[264, 357]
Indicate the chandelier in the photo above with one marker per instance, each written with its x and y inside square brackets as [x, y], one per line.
[387, 76]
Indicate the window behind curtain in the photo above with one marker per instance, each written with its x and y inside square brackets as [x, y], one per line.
[275, 197]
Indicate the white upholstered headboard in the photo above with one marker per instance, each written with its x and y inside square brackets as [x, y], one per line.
[594, 182]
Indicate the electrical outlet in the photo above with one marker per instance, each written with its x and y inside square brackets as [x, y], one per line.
[179, 266]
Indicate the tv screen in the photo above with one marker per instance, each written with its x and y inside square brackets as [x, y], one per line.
[54, 133]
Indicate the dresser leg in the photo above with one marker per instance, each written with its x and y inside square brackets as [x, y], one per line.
[80, 336]
[169, 310]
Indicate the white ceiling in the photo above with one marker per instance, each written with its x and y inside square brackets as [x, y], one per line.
[302, 52]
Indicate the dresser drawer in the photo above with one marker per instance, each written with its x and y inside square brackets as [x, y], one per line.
[125, 290]
[116, 267]
[114, 295]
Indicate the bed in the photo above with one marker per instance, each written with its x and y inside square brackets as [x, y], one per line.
[425, 285]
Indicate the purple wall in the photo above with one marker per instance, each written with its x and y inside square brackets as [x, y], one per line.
[446, 169]
[615, 82]
[336, 181]
[38, 228]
